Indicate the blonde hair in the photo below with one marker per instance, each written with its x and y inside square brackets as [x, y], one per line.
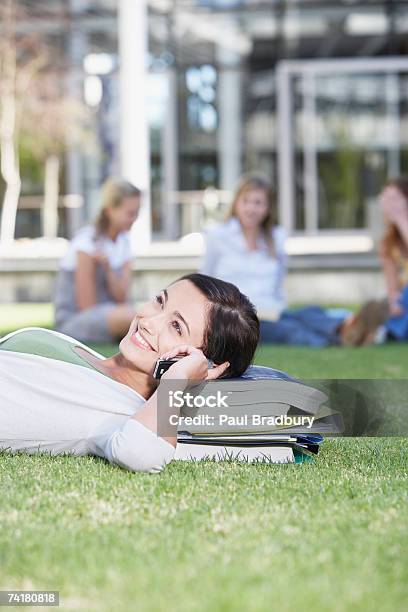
[250, 182]
[113, 192]
[392, 243]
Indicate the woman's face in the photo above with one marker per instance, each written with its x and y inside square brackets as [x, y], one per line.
[390, 192]
[252, 208]
[175, 316]
[394, 205]
[122, 217]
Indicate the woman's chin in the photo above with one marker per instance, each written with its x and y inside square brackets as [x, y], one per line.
[251, 224]
[143, 359]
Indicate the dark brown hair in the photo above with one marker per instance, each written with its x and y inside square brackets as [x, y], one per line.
[250, 182]
[392, 244]
[232, 327]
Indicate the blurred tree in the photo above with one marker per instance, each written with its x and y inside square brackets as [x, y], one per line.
[49, 116]
[36, 112]
[21, 59]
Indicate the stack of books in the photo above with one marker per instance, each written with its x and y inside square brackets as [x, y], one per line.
[274, 448]
[267, 416]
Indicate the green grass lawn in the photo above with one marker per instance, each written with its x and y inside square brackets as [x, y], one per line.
[329, 535]
[15, 316]
[387, 361]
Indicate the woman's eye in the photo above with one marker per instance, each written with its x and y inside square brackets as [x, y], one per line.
[177, 327]
[159, 300]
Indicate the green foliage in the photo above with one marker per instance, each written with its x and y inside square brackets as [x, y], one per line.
[16, 316]
[340, 174]
[32, 167]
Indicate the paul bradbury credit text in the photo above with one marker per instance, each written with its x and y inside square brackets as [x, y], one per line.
[246, 420]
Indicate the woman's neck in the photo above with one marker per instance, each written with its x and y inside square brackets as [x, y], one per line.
[123, 371]
[112, 233]
[251, 236]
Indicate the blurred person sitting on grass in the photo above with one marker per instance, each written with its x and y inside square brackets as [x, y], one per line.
[394, 255]
[92, 289]
[248, 249]
[59, 396]
[387, 319]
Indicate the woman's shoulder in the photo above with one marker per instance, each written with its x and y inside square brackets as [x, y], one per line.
[278, 231]
[222, 228]
[86, 235]
[124, 240]
[86, 231]
[41, 333]
[84, 240]
[29, 340]
[279, 237]
[27, 332]
[44, 343]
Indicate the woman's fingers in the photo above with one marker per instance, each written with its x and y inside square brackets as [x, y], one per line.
[177, 350]
[186, 350]
[217, 371]
[181, 349]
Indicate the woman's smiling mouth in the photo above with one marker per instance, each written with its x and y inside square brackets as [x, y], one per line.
[138, 339]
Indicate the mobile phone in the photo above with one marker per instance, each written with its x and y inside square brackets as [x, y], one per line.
[162, 365]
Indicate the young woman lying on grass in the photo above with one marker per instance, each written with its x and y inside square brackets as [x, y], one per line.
[57, 395]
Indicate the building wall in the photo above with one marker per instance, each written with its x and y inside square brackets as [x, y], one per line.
[332, 280]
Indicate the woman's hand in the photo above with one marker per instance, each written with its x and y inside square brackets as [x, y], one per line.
[395, 307]
[193, 366]
[101, 258]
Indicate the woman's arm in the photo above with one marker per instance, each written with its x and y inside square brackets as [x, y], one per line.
[194, 366]
[395, 209]
[137, 445]
[118, 281]
[137, 448]
[85, 284]
[391, 276]
[147, 441]
[403, 229]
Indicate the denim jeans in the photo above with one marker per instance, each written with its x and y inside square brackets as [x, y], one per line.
[310, 326]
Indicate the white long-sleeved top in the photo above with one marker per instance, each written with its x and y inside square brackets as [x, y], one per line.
[55, 401]
[256, 273]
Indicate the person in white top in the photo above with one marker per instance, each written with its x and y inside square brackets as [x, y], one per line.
[59, 396]
[92, 289]
[248, 249]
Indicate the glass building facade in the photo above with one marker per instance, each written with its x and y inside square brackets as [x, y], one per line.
[313, 93]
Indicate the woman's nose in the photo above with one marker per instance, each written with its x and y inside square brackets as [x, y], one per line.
[147, 325]
[152, 323]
